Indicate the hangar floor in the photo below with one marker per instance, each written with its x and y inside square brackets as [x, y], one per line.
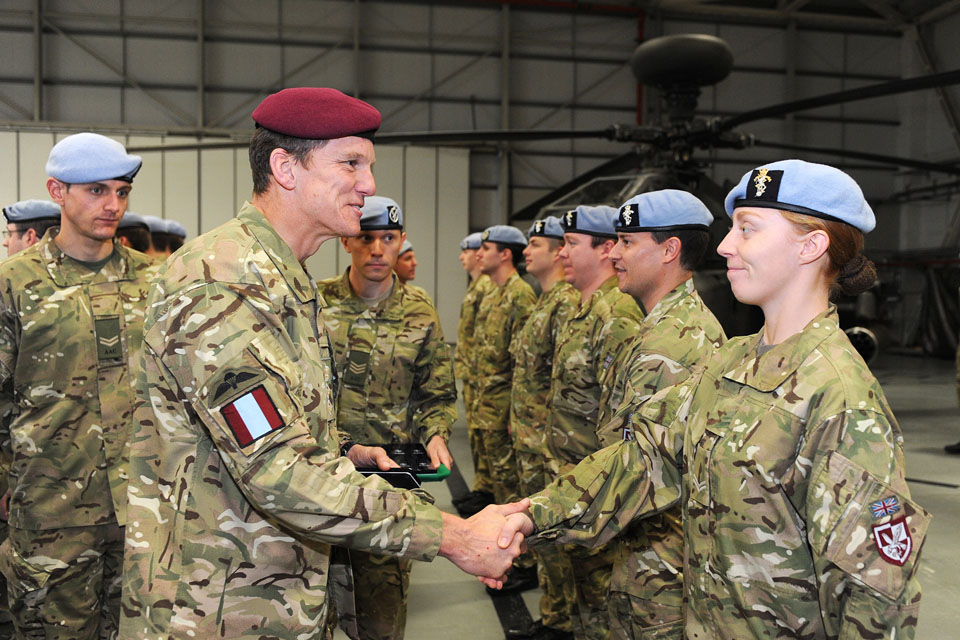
[446, 603]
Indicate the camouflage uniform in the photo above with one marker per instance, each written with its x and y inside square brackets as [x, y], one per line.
[230, 527]
[7, 410]
[591, 347]
[396, 385]
[70, 351]
[463, 367]
[646, 587]
[797, 519]
[532, 352]
[499, 320]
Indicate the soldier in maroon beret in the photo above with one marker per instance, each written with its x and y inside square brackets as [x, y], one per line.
[238, 481]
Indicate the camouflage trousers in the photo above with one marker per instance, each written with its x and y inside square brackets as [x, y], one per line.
[629, 620]
[553, 566]
[371, 603]
[958, 373]
[591, 570]
[496, 448]
[64, 583]
[482, 481]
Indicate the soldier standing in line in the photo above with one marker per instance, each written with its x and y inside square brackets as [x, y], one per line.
[71, 321]
[797, 517]
[590, 349]
[133, 232]
[464, 368]
[396, 386]
[663, 237]
[26, 223]
[406, 263]
[238, 481]
[532, 352]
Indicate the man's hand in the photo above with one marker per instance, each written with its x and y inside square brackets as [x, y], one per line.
[438, 452]
[473, 546]
[364, 456]
[516, 524]
[5, 506]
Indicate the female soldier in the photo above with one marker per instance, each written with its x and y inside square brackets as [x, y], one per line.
[797, 520]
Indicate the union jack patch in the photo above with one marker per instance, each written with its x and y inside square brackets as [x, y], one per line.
[885, 507]
[607, 361]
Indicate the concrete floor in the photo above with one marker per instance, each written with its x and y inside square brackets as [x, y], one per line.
[446, 603]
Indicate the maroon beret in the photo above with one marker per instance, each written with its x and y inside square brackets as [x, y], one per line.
[318, 113]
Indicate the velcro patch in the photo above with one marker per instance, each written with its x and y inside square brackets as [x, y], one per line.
[893, 541]
[252, 416]
[107, 330]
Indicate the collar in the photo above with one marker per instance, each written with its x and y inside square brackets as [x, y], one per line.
[768, 371]
[390, 308]
[587, 305]
[297, 279]
[67, 271]
[670, 301]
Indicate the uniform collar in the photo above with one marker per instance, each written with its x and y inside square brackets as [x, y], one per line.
[67, 271]
[390, 308]
[297, 279]
[768, 371]
[669, 301]
[587, 305]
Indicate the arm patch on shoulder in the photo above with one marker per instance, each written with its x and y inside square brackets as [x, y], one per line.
[252, 416]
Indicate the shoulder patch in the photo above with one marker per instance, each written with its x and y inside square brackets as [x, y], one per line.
[252, 416]
[232, 382]
[893, 541]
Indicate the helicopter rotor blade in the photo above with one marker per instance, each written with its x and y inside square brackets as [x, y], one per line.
[492, 135]
[860, 155]
[873, 91]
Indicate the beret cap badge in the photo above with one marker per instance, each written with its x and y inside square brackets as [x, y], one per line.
[760, 181]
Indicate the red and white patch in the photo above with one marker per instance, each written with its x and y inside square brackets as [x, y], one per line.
[252, 416]
[893, 541]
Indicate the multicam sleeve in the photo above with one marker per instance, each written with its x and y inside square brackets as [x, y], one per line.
[433, 402]
[632, 479]
[865, 531]
[269, 418]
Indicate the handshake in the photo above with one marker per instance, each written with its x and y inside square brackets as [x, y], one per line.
[486, 544]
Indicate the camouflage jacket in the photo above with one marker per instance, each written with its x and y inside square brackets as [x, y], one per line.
[591, 347]
[500, 318]
[797, 519]
[395, 373]
[237, 487]
[532, 352]
[467, 326]
[678, 334]
[70, 351]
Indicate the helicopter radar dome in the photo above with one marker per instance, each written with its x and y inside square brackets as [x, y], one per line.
[691, 60]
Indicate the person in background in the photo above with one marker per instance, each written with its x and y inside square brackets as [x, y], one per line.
[27, 222]
[782, 450]
[134, 232]
[397, 387]
[406, 263]
[71, 328]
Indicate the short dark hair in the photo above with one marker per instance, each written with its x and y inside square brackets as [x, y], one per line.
[138, 236]
[39, 227]
[262, 144]
[596, 241]
[693, 245]
[516, 253]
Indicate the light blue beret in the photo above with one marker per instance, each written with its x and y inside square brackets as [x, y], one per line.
[155, 224]
[131, 220]
[406, 246]
[803, 187]
[472, 241]
[380, 213]
[664, 210]
[548, 227]
[90, 157]
[504, 234]
[174, 228]
[30, 210]
[595, 221]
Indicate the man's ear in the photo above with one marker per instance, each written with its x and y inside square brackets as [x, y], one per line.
[124, 240]
[672, 249]
[57, 190]
[606, 248]
[282, 165]
[346, 246]
[30, 237]
[813, 246]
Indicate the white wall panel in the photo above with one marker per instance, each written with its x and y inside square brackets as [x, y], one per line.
[216, 188]
[146, 196]
[9, 169]
[180, 189]
[452, 218]
[420, 210]
[34, 148]
[243, 179]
